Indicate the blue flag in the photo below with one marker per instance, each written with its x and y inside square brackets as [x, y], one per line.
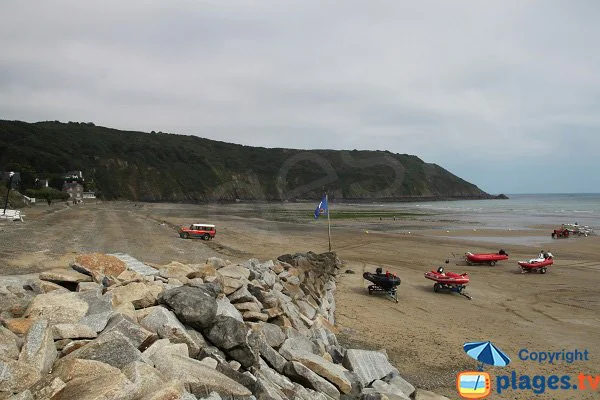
[322, 208]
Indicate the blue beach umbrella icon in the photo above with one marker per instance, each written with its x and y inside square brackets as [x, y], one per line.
[486, 353]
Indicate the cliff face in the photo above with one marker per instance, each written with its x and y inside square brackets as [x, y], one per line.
[177, 168]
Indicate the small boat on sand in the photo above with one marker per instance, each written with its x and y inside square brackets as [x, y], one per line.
[539, 264]
[485, 258]
[383, 283]
[449, 281]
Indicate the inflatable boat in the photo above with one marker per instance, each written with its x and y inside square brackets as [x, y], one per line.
[485, 258]
[448, 281]
[539, 264]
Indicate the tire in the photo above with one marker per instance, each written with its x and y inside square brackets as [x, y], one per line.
[206, 236]
[186, 235]
[437, 287]
[543, 270]
[492, 263]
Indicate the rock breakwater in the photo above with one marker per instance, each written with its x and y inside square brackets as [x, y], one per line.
[111, 327]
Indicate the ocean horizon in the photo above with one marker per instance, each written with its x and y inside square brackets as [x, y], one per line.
[519, 211]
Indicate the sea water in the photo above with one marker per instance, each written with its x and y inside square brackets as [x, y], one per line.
[520, 211]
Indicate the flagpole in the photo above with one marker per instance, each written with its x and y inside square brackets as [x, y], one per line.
[328, 223]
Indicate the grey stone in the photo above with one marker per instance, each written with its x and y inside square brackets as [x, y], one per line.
[401, 384]
[209, 362]
[172, 390]
[135, 265]
[368, 365]
[213, 352]
[99, 310]
[140, 294]
[73, 331]
[26, 395]
[216, 262]
[198, 341]
[89, 286]
[146, 379]
[246, 379]
[227, 332]
[200, 379]
[72, 345]
[235, 271]
[16, 376]
[57, 307]
[140, 337]
[286, 385]
[295, 345]
[196, 282]
[159, 345]
[273, 334]
[308, 378]
[91, 380]
[193, 306]
[111, 348]
[175, 270]
[39, 350]
[345, 381]
[242, 295]
[47, 387]
[391, 392]
[9, 347]
[244, 354]
[306, 309]
[273, 358]
[265, 389]
[64, 275]
[224, 307]
[165, 324]
[324, 336]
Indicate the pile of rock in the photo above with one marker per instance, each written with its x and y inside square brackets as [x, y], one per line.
[113, 328]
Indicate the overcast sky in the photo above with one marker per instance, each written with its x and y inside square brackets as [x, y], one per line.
[505, 94]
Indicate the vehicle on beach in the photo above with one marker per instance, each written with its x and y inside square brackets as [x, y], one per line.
[539, 264]
[383, 283]
[450, 281]
[485, 258]
[201, 231]
[576, 229]
[561, 233]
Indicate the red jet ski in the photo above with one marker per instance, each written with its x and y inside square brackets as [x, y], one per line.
[485, 258]
[448, 281]
[539, 264]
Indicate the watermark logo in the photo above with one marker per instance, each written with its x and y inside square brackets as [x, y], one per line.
[473, 384]
[479, 384]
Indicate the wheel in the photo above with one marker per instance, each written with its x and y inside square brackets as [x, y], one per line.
[437, 287]
[543, 270]
[186, 235]
[492, 263]
[206, 236]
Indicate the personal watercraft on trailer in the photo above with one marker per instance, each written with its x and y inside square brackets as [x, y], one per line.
[383, 283]
[485, 258]
[448, 281]
[539, 264]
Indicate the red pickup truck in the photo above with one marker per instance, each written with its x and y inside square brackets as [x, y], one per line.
[203, 231]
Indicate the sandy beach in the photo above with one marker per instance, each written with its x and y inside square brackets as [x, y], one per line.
[423, 333]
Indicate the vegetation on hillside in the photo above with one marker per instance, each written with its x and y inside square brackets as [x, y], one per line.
[167, 167]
